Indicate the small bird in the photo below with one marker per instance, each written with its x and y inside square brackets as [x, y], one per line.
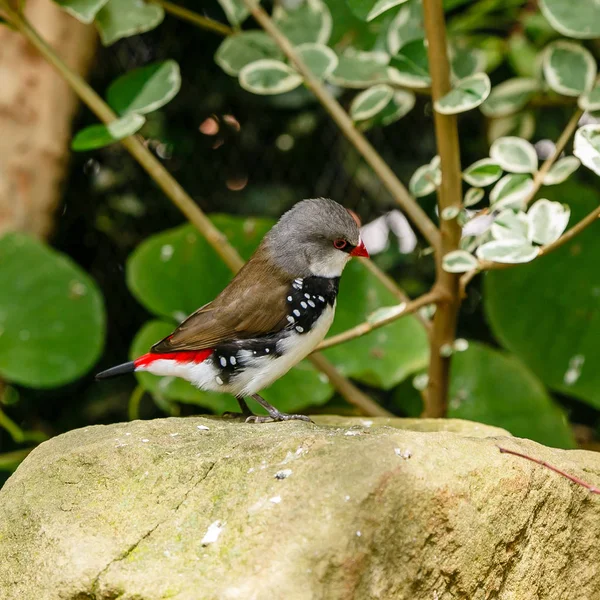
[274, 312]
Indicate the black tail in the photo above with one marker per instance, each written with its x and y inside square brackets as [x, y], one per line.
[128, 367]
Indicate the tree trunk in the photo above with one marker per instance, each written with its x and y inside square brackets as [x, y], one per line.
[36, 111]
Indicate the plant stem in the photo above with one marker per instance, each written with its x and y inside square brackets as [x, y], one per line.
[344, 122]
[162, 177]
[406, 308]
[449, 195]
[198, 20]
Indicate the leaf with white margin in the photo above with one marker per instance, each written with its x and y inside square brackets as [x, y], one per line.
[507, 251]
[367, 10]
[466, 95]
[520, 125]
[98, 136]
[590, 100]
[236, 11]
[511, 191]
[586, 147]
[426, 179]
[509, 97]
[268, 76]
[83, 10]
[240, 49]
[123, 18]
[569, 68]
[370, 102]
[412, 62]
[459, 261]
[482, 173]
[407, 79]
[320, 59]
[548, 220]
[360, 69]
[561, 170]
[514, 154]
[402, 103]
[580, 20]
[465, 62]
[511, 225]
[473, 196]
[310, 22]
[478, 225]
[406, 26]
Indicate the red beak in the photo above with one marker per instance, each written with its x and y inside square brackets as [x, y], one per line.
[360, 250]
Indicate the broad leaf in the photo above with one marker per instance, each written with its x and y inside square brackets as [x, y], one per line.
[320, 59]
[467, 94]
[482, 173]
[569, 68]
[145, 89]
[267, 77]
[236, 11]
[360, 69]
[425, 179]
[511, 191]
[547, 220]
[520, 125]
[509, 97]
[309, 22]
[548, 313]
[581, 20]
[51, 315]
[511, 225]
[473, 196]
[590, 101]
[587, 146]
[406, 27]
[561, 170]
[98, 136]
[459, 261]
[124, 18]
[238, 50]
[514, 155]
[507, 251]
[367, 10]
[492, 387]
[83, 10]
[410, 65]
[370, 102]
[401, 103]
[466, 62]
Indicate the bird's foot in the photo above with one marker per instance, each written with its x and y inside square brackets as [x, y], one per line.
[274, 414]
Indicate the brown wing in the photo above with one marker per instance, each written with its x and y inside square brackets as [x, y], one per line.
[253, 304]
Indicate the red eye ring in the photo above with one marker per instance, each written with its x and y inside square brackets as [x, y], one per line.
[340, 244]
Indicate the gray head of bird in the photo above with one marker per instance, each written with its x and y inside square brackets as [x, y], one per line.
[315, 237]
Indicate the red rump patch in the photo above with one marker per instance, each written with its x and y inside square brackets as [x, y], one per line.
[194, 356]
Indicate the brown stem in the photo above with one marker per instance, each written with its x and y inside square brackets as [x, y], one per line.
[198, 20]
[543, 463]
[344, 122]
[449, 195]
[368, 326]
[164, 179]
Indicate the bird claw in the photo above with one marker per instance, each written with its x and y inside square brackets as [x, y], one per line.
[277, 416]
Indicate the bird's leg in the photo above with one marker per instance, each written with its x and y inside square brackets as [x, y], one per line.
[274, 414]
[246, 412]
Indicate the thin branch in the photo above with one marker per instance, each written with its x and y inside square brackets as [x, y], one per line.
[344, 122]
[406, 308]
[449, 195]
[194, 18]
[543, 463]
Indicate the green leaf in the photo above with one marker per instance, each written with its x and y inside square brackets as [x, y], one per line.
[236, 11]
[569, 68]
[459, 261]
[511, 225]
[267, 77]
[406, 27]
[83, 10]
[492, 387]
[548, 312]
[367, 10]
[466, 62]
[466, 95]
[98, 136]
[303, 386]
[410, 65]
[547, 220]
[425, 179]
[123, 18]
[561, 170]
[320, 59]
[360, 69]
[309, 22]
[507, 251]
[514, 154]
[523, 56]
[520, 125]
[482, 173]
[590, 101]
[511, 191]
[402, 103]
[370, 102]
[146, 89]
[473, 196]
[581, 20]
[238, 50]
[509, 97]
[586, 147]
[51, 315]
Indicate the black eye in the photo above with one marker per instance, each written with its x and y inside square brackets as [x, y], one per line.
[340, 244]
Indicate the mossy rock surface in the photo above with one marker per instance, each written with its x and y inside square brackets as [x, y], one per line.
[349, 508]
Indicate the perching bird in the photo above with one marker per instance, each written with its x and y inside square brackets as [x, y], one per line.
[274, 312]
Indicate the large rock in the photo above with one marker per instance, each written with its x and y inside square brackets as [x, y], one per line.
[202, 508]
